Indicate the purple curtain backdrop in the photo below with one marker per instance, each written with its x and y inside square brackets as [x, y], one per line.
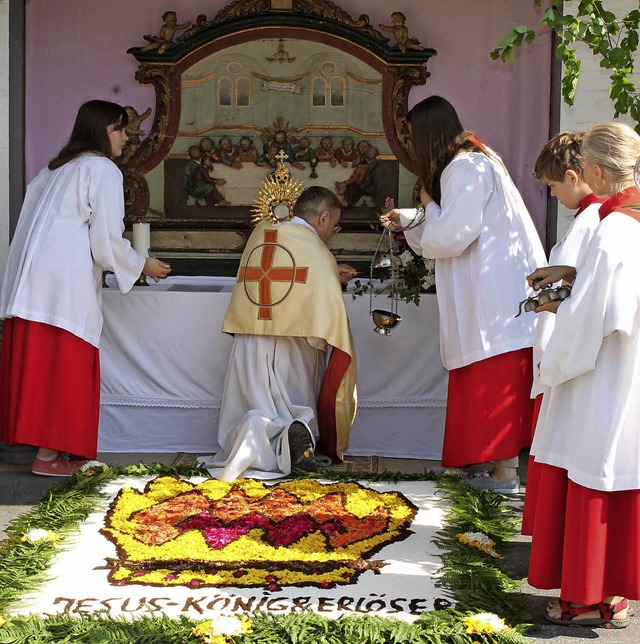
[76, 51]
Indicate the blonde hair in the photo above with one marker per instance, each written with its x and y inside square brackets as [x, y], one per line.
[615, 147]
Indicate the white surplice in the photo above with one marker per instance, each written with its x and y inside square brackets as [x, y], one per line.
[485, 244]
[272, 381]
[569, 251]
[69, 232]
[588, 423]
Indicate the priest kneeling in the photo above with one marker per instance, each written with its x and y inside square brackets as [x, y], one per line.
[282, 398]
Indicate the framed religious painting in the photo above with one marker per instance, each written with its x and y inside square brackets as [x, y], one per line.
[298, 82]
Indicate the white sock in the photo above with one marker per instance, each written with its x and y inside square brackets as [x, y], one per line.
[49, 457]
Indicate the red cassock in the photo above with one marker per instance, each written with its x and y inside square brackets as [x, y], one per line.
[49, 388]
[489, 410]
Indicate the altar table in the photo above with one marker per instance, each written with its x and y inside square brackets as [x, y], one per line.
[164, 359]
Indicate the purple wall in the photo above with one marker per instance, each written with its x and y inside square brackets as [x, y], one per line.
[76, 51]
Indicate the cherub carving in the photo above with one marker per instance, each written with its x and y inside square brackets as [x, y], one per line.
[133, 130]
[134, 133]
[167, 32]
[201, 23]
[401, 32]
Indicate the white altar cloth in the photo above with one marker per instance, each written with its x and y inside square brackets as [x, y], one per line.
[164, 359]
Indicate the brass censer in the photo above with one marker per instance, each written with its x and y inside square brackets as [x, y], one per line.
[384, 258]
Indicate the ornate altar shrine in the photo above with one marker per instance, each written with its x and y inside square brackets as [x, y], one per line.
[262, 78]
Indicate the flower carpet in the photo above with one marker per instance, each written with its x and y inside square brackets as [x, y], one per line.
[202, 547]
[203, 560]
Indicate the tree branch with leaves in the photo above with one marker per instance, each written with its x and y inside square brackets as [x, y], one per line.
[613, 39]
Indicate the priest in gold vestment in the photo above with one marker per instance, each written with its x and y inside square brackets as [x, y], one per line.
[283, 398]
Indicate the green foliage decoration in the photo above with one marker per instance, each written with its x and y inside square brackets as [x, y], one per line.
[476, 581]
[610, 37]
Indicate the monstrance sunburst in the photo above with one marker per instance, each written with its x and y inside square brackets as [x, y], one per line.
[277, 195]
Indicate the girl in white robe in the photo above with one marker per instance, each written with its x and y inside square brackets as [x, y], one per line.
[477, 228]
[585, 533]
[69, 232]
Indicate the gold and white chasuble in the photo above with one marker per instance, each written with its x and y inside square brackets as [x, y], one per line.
[288, 286]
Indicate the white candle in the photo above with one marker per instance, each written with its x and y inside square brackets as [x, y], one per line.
[142, 238]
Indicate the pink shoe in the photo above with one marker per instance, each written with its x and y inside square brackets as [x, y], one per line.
[59, 466]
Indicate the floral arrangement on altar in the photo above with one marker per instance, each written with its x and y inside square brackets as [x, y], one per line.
[410, 276]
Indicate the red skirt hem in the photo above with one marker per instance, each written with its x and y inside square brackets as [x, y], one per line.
[49, 388]
[489, 410]
[585, 542]
[533, 478]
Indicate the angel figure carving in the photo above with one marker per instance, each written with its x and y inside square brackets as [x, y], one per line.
[168, 30]
[201, 23]
[133, 130]
[401, 32]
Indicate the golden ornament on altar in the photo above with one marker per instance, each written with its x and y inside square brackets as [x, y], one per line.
[277, 195]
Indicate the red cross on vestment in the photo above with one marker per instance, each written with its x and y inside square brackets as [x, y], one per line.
[266, 273]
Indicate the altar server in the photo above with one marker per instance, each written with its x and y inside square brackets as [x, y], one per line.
[475, 225]
[559, 166]
[281, 399]
[69, 232]
[585, 533]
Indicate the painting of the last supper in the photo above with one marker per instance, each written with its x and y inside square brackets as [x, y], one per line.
[327, 122]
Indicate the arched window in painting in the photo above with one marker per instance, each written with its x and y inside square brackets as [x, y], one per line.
[337, 91]
[234, 89]
[328, 89]
[224, 92]
[243, 92]
[319, 92]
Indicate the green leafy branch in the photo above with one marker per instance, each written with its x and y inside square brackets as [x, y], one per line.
[611, 38]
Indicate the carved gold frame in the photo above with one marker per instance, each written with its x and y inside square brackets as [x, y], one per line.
[244, 21]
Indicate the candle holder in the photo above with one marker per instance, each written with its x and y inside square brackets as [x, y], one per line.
[141, 281]
[141, 232]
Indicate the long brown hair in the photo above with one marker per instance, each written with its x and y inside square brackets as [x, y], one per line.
[89, 132]
[438, 136]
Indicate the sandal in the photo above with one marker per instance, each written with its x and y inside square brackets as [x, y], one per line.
[607, 611]
[553, 603]
[570, 612]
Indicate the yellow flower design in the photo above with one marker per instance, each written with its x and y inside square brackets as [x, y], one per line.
[247, 533]
[39, 535]
[481, 542]
[483, 623]
[221, 629]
